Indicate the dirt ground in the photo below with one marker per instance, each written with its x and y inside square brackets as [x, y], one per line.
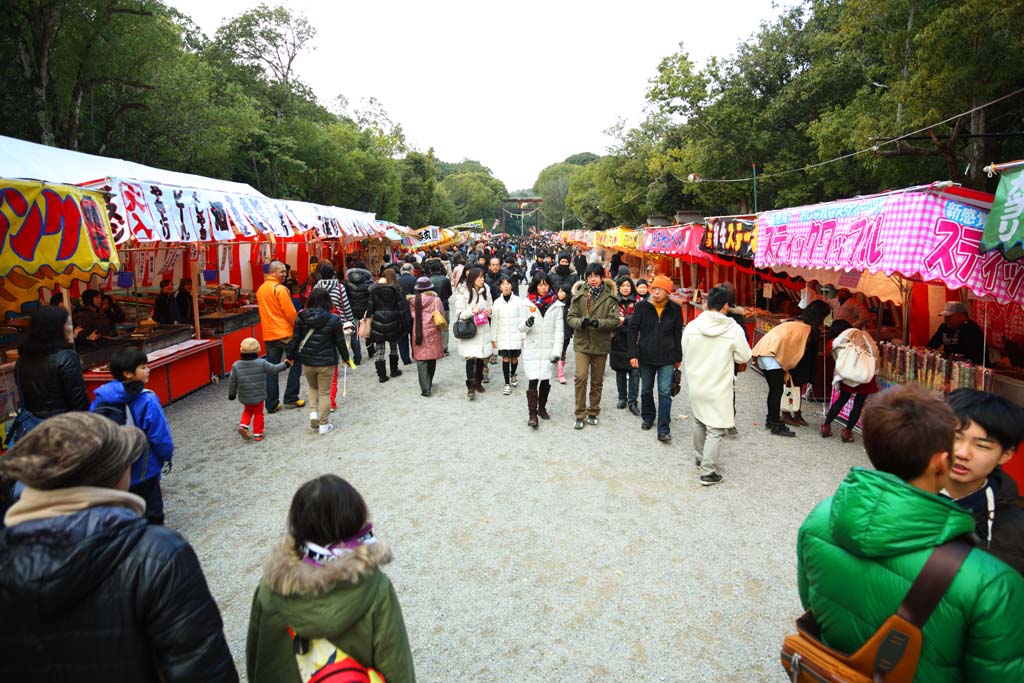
[526, 555]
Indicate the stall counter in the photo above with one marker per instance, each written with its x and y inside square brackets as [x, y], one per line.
[230, 328]
[175, 371]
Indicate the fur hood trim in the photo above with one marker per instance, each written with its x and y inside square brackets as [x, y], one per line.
[609, 287]
[286, 574]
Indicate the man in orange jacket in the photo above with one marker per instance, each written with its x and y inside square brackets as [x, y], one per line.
[277, 316]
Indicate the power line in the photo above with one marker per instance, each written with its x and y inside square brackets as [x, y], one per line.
[873, 148]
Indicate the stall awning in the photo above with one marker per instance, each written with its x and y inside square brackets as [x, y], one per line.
[50, 234]
[23, 159]
[678, 241]
[920, 234]
[1004, 228]
[150, 204]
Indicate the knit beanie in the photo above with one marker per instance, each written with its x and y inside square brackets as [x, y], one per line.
[663, 282]
[73, 449]
[250, 345]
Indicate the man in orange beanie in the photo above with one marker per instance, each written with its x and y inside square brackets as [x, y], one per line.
[655, 333]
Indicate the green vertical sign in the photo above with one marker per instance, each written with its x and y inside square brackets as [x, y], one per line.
[1004, 228]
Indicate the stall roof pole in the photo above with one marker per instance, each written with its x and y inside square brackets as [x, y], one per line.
[195, 294]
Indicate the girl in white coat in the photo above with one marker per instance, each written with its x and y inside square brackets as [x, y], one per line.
[541, 325]
[472, 300]
[505, 332]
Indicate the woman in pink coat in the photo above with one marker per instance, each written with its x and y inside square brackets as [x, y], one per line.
[427, 345]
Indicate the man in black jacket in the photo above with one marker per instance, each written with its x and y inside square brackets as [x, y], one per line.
[655, 335]
[990, 430]
[562, 275]
[89, 591]
[358, 281]
[493, 275]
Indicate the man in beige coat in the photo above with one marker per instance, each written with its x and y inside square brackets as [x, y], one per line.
[712, 344]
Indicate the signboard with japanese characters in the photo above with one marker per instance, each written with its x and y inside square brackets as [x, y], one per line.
[919, 235]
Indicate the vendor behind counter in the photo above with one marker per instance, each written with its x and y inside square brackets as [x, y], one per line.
[958, 335]
[166, 310]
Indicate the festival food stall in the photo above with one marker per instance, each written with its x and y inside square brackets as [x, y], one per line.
[910, 246]
[50, 235]
[177, 227]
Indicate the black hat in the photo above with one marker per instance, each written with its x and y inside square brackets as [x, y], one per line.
[424, 284]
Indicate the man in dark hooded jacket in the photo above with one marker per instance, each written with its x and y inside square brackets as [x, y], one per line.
[562, 275]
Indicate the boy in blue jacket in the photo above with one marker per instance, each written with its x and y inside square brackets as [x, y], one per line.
[125, 400]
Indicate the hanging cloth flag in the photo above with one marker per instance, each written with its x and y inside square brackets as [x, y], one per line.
[1004, 227]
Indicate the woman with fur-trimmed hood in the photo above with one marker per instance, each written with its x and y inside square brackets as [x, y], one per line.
[324, 581]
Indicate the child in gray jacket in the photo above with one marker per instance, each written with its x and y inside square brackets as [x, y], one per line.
[249, 383]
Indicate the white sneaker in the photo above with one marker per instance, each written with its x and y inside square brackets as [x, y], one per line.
[507, 390]
[515, 381]
[314, 420]
[326, 429]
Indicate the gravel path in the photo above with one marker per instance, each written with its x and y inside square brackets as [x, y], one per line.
[547, 555]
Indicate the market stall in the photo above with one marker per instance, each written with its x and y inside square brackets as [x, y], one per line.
[898, 246]
[177, 226]
[50, 235]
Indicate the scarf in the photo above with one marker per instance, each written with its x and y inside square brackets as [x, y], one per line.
[38, 504]
[317, 555]
[543, 303]
[595, 292]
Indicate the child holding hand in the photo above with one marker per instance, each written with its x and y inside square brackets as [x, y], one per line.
[248, 382]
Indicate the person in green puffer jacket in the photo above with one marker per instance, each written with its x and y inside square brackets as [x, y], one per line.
[323, 581]
[860, 550]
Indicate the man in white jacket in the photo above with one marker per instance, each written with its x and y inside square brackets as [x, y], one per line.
[712, 344]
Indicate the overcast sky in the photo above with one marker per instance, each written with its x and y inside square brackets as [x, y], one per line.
[515, 85]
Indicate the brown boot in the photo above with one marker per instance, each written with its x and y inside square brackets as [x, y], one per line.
[847, 436]
[542, 401]
[790, 420]
[531, 406]
[800, 419]
[826, 430]
[470, 389]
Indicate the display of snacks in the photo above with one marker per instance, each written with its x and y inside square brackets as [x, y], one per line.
[924, 367]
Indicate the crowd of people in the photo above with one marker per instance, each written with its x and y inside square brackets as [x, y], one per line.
[105, 592]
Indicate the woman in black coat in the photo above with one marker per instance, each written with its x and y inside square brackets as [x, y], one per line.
[48, 370]
[318, 340]
[387, 308]
[88, 590]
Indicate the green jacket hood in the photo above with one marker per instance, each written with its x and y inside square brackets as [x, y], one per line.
[876, 514]
[320, 602]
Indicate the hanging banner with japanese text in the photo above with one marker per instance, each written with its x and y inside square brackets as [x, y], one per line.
[1004, 228]
[50, 234]
[675, 241]
[730, 237]
[920, 235]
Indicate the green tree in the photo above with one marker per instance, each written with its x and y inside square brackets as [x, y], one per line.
[553, 187]
[582, 159]
[475, 195]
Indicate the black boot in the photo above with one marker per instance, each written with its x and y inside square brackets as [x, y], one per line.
[470, 389]
[780, 429]
[531, 406]
[395, 372]
[424, 376]
[382, 371]
[542, 401]
[480, 376]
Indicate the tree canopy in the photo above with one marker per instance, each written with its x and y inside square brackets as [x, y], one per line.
[813, 102]
[139, 80]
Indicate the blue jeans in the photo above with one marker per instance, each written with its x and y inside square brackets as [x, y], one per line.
[664, 376]
[628, 384]
[403, 349]
[275, 352]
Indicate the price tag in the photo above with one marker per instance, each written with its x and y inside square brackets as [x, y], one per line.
[768, 290]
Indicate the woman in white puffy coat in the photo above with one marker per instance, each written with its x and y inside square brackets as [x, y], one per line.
[470, 299]
[541, 325]
[505, 331]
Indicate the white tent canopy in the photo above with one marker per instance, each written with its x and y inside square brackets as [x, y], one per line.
[21, 159]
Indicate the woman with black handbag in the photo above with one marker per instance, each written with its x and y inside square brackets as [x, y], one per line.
[472, 304]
